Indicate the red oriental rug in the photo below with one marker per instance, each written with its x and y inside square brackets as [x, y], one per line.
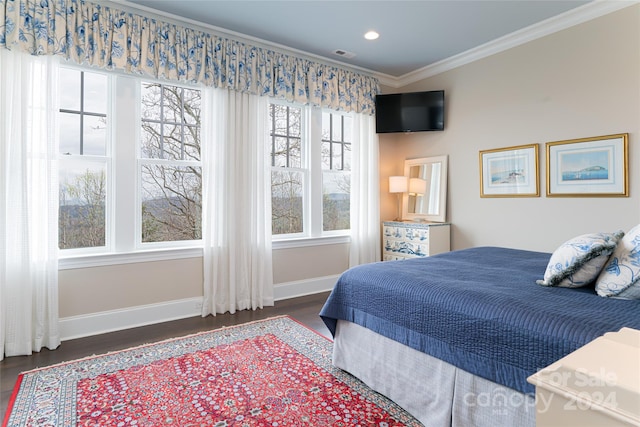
[274, 372]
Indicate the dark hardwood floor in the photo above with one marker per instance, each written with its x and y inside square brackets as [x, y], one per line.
[304, 309]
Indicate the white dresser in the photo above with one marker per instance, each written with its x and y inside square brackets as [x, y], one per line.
[408, 239]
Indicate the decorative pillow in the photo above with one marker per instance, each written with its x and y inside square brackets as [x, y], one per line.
[619, 279]
[577, 262]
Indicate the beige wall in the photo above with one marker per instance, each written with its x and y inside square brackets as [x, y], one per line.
[580, 82]
[584, 81]
[92, 290]
[296, 264]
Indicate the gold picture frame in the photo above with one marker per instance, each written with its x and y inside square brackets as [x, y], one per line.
[510, 172]
[588, 167]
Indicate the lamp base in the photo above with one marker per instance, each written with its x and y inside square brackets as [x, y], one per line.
[399, 217]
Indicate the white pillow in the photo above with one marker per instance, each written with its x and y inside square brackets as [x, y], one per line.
[577, 262]
[619, 279]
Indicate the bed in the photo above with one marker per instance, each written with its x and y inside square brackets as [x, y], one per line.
[453, 337]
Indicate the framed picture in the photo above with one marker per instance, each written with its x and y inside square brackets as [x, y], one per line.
[509, 172]
[588, 167]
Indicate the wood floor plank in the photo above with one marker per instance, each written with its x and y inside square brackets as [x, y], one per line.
[304, 309]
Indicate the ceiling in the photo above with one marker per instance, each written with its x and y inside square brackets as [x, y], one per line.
[413, 34]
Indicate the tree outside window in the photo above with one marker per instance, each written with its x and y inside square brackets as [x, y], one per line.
[83, 159]
[287, 174]
[310, 171]
[336, 171]
[170, 166]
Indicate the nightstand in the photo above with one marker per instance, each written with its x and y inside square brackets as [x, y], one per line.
[596, 385]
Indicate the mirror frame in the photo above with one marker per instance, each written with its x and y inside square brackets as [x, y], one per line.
[442, 215]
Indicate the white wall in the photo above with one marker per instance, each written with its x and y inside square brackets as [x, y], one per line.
[581, 82]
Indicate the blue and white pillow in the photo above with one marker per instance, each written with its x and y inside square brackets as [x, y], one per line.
[579, 261]
[619, 279]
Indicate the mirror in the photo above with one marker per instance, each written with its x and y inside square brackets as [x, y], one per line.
[427, 196]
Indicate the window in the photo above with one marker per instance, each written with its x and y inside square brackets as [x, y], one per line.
[310, 175]
[287, 174]
[84, 159]
[130, 167]
[336, 171]
[170, 168]
[131, 170]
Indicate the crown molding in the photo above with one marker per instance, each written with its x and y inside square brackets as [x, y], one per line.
[587, 12]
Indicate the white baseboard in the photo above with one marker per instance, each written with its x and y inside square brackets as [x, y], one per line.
[301, 288]
[142, 315]
[131, 317]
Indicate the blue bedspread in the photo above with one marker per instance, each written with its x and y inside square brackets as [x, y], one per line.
[479, 309]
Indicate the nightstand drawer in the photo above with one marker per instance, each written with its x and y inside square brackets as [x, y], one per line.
[406, 247]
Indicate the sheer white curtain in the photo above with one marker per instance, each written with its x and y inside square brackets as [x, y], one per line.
[28, 205]
[365, 193]
[236, 218]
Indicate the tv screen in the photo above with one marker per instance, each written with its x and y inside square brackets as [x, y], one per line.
[410, 112]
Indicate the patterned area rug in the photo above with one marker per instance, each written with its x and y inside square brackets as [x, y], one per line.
[274, 372]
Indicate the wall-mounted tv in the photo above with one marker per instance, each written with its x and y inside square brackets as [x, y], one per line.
[410, 112]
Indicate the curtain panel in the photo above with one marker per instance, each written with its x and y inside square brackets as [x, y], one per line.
[108, 38]
[28, 205]
[365, 193]
[236, 224]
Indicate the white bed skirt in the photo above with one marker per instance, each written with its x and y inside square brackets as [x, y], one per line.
[435, 392]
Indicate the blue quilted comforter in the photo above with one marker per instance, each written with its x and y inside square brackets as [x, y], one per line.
[479, 309]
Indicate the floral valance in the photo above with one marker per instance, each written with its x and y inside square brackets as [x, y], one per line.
[104, 37]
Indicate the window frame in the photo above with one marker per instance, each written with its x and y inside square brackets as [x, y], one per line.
[311, 148]
[139, 244]
[80, 158]
[122, 235]
[303, 170]
[340, 171]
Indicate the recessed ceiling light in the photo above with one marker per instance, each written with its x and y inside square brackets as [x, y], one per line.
[371, 35]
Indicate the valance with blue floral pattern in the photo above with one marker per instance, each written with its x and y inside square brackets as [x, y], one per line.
[102, 36]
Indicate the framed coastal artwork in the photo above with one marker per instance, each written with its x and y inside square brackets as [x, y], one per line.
[588, 167]
[509, 172]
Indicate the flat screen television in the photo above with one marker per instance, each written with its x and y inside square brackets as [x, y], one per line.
[410, 112]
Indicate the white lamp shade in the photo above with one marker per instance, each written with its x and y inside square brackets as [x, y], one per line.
[398, 184]
[417, 186]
